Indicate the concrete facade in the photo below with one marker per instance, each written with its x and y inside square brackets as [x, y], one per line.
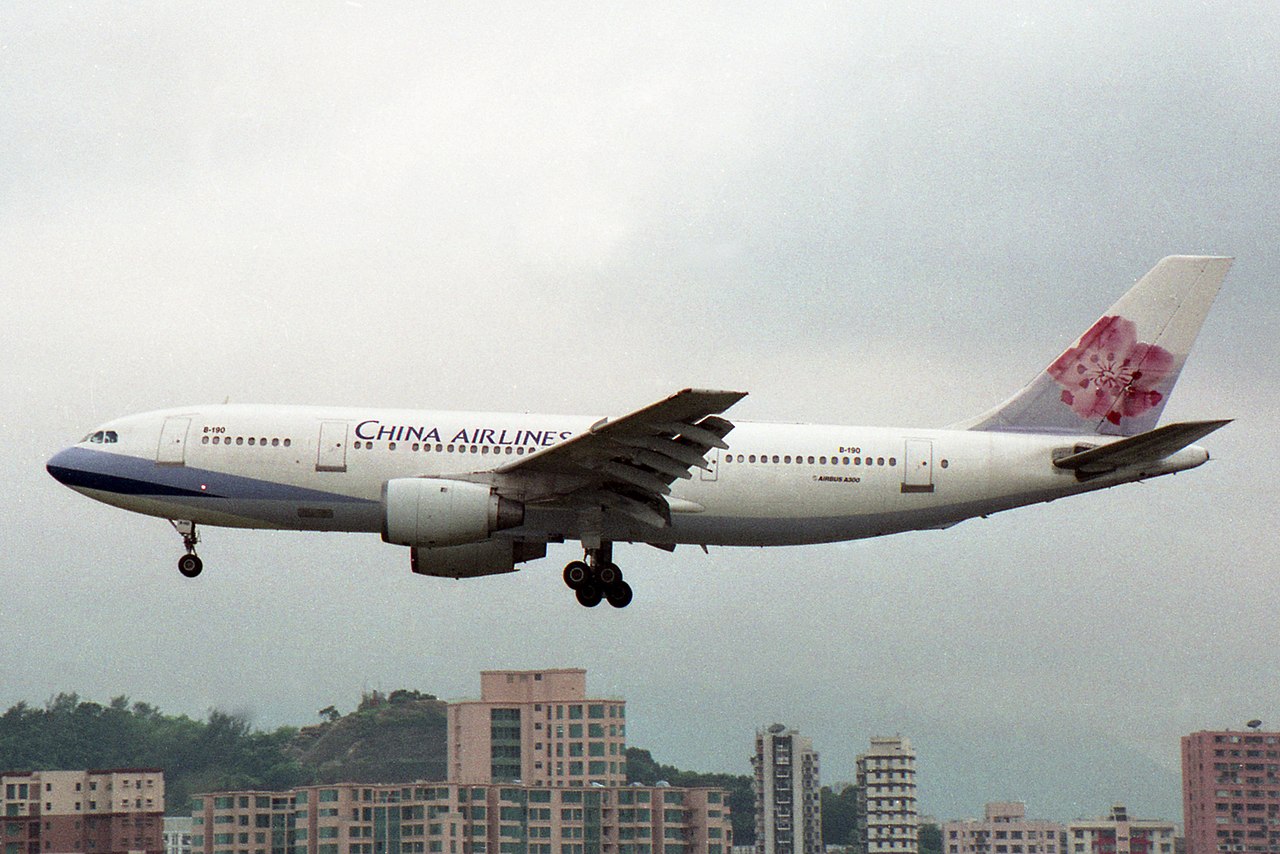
[438, 818]
[537, 727]
[888, 816]
[1231, 791]
[113, 811]
[1004, 829]
[1120, 834]
[787, 792]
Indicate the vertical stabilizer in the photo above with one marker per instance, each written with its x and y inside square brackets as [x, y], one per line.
[1117, 378]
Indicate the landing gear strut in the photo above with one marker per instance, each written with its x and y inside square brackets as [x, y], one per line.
[189, 564]
[597, 578]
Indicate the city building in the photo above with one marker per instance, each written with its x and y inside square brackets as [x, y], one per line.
[888, 820]
[177, 834]
[1231, 791]
[454, 818]
[537, 727]
[788, 794]
[1004, 829]
[1119, 834]
[115, 811]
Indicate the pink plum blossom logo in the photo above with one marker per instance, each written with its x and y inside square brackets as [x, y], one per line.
[1110, 373]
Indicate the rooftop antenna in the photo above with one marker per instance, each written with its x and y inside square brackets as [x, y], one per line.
[1254, 724]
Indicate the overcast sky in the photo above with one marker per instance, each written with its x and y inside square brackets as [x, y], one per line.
[883, 213]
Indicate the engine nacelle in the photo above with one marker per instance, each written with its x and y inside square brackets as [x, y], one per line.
[424, 511]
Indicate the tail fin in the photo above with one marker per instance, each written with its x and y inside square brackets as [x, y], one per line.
[1117, 378]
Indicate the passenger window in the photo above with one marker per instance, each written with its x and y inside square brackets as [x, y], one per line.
[474, 449]
[879, 461]
[239, 440]
[751, 458]
[857, 461]
[893, 461]
[944, 463]
[215, 440]
[275, 443]
[822, 461]
[204, 440]
[787, 459]
[844, 460]
[414, 446]
[484, 449]
[775, 458]
[391, 446]
[810, 460]
[250, 440]
[450, 449]
[288, 442]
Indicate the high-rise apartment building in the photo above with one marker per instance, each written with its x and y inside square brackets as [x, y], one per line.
[1004, 829]
[788, 793]
[888, 819]
[1231, 791]
[116, 811]
[1120, 834]
[537, 727]
[453, 818]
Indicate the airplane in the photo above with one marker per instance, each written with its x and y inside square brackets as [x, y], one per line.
[473, 494]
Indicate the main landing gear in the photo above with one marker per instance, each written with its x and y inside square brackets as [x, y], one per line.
[189, 564]
[597, 577]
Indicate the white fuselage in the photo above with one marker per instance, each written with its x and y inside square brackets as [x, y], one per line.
[315, 468]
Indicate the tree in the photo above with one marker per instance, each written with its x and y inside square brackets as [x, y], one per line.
[329, 713]
[839, 815]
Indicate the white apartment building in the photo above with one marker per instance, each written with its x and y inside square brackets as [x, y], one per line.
[1119, 834]
[888, 819]
[1004, 829]
[788, 793]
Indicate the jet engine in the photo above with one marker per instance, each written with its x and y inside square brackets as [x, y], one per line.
[433, 512]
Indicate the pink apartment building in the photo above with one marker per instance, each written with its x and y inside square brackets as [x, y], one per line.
[537, 727]
[115, 811]
[1231, 791]
[452, 818]
[1004, 829]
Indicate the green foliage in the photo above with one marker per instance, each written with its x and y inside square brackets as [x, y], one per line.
[839, 815]
[221, 753]
[641, 768]
[930, 839]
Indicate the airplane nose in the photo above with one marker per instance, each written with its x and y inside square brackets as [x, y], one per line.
[60, 467]
[63, 467]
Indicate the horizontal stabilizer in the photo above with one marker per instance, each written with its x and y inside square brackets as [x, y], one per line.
[1149, 447]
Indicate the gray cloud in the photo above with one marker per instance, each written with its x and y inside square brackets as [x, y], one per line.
[890, 214]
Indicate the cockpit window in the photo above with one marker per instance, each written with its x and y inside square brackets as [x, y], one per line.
[102, 437]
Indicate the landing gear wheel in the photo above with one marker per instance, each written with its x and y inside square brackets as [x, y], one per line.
[619, 595]
[576, 574]
[589, 596]
[190, 565]
[608, 575]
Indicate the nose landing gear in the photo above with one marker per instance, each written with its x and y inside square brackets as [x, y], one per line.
[189, 564]
[597, 578]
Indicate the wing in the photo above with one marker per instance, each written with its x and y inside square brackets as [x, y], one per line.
[1146, 447]
[626, 464]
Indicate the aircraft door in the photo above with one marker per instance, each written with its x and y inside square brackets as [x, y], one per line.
[331, 453]
[712, 471]
[917, 463]
[172, 450]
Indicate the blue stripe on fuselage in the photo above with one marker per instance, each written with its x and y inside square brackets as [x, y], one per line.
[125, 475]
